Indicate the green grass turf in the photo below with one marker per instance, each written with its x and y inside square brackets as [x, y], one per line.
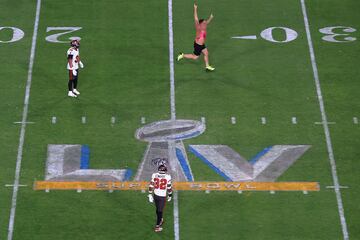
[257, 216]
[339, 74]
[89, 215]
[125, 51]
[118, 80]
[13, 75]
[255, 79]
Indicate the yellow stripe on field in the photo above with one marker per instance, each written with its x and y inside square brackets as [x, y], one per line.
[182, 186]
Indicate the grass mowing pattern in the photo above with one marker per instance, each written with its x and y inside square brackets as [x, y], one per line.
[125, 52]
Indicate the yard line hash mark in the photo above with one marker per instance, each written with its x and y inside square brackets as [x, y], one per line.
[263, 120]
[322, 123]
[23, 124]
[355, 120]
[339, 187]
[113, 120]
[325, 125]
[12, 185]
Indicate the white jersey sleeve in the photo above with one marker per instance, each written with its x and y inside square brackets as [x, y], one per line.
[161, 184]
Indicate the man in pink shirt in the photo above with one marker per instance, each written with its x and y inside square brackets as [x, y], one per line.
[199, 43]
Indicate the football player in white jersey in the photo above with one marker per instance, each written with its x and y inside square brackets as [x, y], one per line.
[73, 56]
[160, 190]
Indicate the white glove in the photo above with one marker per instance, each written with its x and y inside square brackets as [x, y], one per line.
[151, 198]
[81, 64]
[168, 198]
[74, 72]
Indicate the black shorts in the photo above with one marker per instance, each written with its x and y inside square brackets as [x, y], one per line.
[159, 203]
[198, 48]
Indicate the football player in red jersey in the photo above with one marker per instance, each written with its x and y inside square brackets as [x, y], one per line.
[73, 56]
[199, 43]
[160, 191]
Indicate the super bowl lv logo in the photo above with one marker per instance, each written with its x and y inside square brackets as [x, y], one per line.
[165, 143]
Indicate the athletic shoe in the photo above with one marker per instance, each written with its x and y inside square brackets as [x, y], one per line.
[180, 56]
[161, 222]
[76, 92]
[210, 68]
[71, 94]
[158, 228]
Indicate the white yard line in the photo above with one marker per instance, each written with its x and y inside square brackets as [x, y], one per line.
[23, 125]
[325, 125]
[172, 108]
[171, 62]
[176, 216]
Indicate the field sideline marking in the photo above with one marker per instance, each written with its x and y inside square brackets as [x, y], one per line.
[325, 125]
[23, 125]
[172, 109]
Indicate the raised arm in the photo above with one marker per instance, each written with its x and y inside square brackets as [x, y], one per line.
[196, 15]
[210, 18]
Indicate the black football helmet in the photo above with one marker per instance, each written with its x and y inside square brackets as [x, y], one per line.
[162, 169]
[75, 43]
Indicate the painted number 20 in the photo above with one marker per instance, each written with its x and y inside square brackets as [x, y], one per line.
[18, 34]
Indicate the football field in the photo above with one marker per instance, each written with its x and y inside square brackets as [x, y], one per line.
[287, 75]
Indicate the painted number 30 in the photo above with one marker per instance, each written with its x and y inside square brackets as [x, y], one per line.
[338, 34]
